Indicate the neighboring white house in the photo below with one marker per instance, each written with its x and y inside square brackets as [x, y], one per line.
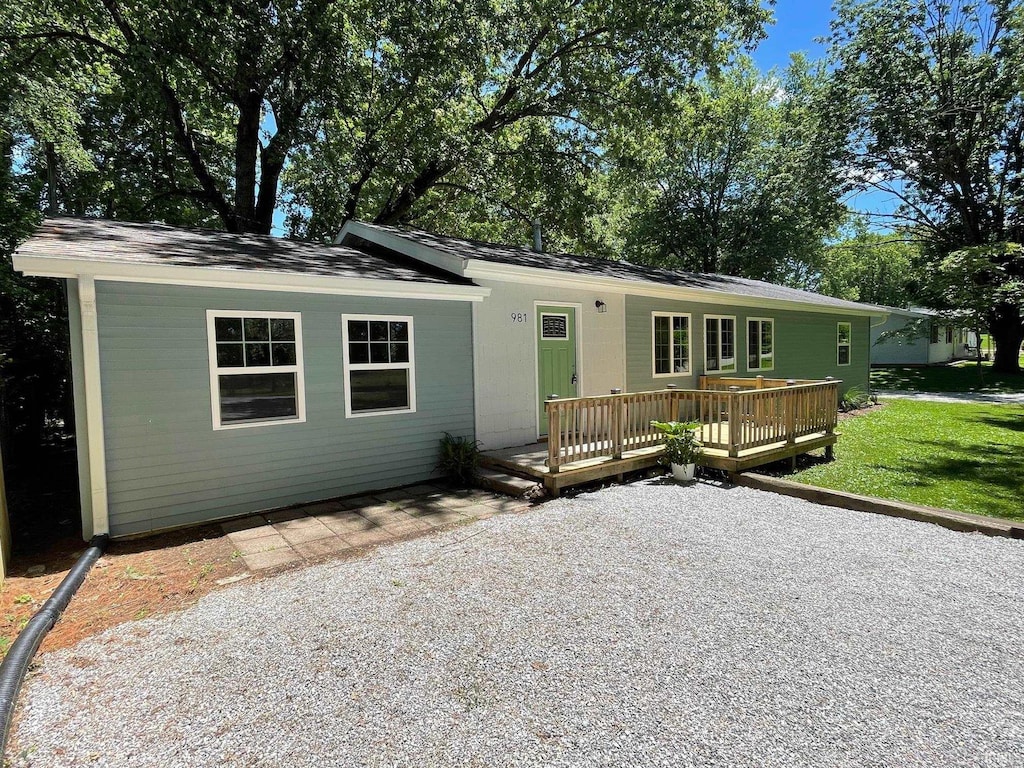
[925, 340]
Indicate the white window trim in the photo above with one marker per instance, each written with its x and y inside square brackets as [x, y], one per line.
[848, 345]
[349, 366]
[760, 357]
[545, 337]
[215, 371]
[671, 347]
[720, 318]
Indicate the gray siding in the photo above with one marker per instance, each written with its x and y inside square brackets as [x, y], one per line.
[805, 344]
[166, 464]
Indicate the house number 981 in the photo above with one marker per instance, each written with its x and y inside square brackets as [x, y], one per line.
[518, 317]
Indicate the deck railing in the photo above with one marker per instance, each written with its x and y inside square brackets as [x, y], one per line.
[735, 416]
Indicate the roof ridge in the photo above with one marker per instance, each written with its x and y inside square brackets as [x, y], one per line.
[524, 256]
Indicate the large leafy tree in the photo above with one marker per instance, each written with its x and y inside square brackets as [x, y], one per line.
[192, 86]
[938, 122]
[373, 108]
[744, 180]
[33, 323]
[869, 266]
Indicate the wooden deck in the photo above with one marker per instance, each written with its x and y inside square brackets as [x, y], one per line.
[743, 426]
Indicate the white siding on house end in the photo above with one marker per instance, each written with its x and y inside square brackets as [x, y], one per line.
[941, 352]
[897, 350]
[506, 355]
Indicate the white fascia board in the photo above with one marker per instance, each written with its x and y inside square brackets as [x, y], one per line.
[532, 275]
[423, 253]
[251, 280]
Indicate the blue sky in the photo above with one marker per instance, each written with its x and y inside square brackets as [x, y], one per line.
[798, 25]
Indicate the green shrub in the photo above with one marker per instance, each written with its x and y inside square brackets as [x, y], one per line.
[856, 398]
[681, 443]
[459, 459]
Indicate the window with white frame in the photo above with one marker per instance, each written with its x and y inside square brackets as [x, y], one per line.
[379, 371]
[671, 343]
[844, 340]
[760, 344]
[255, 368]
[719, 344]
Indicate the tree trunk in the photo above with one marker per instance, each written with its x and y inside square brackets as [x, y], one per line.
[247, 137]
[1007, 333]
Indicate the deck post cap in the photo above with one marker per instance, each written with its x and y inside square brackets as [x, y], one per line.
[616, 390]
[552, 397]
[671, 386]
[734, 388]
[790, 382]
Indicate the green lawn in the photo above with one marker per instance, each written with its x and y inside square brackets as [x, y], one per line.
[954, 455]
[955, 377]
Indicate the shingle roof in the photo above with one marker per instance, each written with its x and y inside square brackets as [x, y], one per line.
[564, 262]
[159, 244]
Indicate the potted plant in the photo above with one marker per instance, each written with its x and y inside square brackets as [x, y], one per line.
[682, 448]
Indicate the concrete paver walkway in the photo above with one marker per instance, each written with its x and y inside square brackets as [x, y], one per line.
[315, 531]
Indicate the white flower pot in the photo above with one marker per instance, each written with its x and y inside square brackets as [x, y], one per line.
[683, 473]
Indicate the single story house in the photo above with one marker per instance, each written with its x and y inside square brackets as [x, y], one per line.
[570, 325]
[216, 374]
[916, 337]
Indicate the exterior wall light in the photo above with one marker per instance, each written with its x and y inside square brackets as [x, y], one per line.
[601, 306]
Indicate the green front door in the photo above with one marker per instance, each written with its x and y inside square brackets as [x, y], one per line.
[556, 356]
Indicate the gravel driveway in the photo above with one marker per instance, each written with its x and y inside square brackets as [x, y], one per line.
[648, 624]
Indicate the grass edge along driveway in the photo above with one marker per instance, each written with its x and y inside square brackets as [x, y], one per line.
[958, 456]
[954, 377]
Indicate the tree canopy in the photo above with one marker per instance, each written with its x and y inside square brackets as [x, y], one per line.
[873, 267]
[744, 180]
[934, 94]
[371, 108]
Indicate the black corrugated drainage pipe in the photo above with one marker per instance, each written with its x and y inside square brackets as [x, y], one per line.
[15, 665]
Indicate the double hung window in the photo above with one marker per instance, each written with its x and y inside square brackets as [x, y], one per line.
[379, 364]
[760, 344]
[671, 339]
[719, 344]
[255, 368]
[844, 340]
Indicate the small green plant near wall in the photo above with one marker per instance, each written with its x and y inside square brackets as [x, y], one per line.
[681, 443]
[855, 399]
[459, 459]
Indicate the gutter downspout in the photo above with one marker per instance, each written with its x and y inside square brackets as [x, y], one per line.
[15, 665]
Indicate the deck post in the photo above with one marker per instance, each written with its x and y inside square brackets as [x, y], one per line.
[790, 402]
[734, 422]
[759, 382]
[554, 435]
[617, 408]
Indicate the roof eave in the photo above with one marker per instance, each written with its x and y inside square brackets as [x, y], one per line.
[485, 270]
[242, 279]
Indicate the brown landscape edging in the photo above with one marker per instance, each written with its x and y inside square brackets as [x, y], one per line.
[948, 518]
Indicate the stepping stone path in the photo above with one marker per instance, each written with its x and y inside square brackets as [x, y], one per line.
[326, 529]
